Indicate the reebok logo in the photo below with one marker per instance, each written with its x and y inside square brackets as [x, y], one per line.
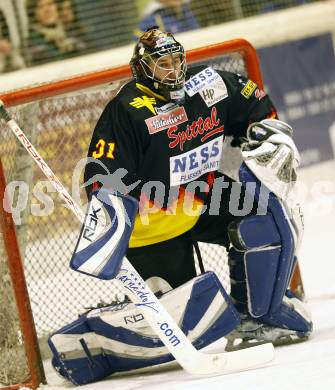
[91, 224]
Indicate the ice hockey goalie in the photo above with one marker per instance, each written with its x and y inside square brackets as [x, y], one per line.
[168, 134]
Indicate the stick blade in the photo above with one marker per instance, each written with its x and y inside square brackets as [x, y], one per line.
[230, 362]
[249, 358]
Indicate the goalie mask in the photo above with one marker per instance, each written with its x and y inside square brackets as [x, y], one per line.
[159, 61]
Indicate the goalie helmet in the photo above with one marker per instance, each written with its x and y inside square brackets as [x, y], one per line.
[159, 62]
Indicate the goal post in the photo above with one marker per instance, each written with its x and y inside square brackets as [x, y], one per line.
[29, 345]
[59, 118]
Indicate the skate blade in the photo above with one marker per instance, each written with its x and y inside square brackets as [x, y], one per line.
[238, 343]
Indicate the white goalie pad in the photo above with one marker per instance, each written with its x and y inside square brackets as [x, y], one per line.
[119, 338]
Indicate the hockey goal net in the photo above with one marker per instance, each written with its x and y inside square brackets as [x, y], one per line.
[40, 233]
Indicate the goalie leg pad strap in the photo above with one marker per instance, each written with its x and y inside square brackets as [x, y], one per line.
[238, 284]
[117, 338]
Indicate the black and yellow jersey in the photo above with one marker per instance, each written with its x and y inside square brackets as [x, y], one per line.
[170, 148]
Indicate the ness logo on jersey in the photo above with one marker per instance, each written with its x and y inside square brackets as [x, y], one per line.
[201, 80]
[191, 165]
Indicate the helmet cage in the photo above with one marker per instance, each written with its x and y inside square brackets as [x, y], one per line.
[174, 76]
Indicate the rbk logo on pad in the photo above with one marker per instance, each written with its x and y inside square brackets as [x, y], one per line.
[91, 224]
[164, 121]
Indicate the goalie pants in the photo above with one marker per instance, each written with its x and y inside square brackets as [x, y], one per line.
[173, 260]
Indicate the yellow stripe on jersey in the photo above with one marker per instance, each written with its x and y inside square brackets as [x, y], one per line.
[149, 92]
[154, 224]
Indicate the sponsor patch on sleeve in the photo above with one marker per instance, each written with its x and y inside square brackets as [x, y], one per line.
[248, 89]
[189, 166]
[201, 80]
[259, 94]
[165, 120]
[214, 92]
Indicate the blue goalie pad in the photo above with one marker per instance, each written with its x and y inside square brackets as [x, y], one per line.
[258, 247]
[280, 233]
[117, 338]
[104, 236]
[261, 263]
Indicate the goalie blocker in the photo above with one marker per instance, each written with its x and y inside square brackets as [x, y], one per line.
[105, 233]
[117, 338]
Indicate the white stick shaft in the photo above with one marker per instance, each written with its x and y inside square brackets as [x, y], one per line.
[157, 317]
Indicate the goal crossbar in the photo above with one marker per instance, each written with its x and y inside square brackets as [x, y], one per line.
[123, 72]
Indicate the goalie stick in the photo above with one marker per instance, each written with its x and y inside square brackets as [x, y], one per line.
[192, 360]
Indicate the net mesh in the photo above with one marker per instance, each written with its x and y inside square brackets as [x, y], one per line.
[60, 128]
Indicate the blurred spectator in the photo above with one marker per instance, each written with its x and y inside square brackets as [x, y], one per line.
[281, 4]
[10, 56]
[210, 12]
[169, 15]
[72, 27]
[67, 12]
[48, 40]
[106, 24]
[5, 46]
